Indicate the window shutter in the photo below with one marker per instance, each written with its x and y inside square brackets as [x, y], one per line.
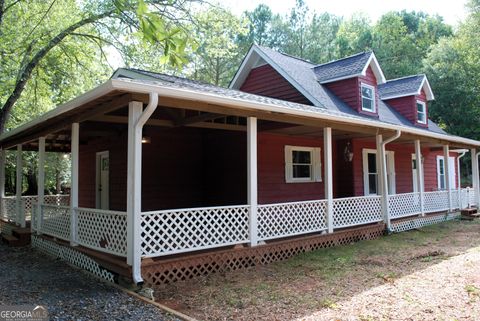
[288, 164]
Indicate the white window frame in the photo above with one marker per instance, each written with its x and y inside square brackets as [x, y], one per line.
[452, 172]
[374, 103]
[391, 179]
[316, 166]
[424, 113]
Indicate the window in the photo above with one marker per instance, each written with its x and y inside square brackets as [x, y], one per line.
[302, 164]
[370, 172]
[441, 173]
[421, 112]
[368, 98]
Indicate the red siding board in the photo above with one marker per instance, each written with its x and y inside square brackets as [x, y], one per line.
[407, 107]
[266, 81]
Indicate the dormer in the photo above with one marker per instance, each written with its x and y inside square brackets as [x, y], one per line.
[409, 96]
[355, 80]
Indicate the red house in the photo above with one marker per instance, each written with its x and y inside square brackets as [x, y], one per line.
[173, 178]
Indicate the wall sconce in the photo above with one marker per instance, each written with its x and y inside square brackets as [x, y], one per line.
[146, 140]
[347, 153]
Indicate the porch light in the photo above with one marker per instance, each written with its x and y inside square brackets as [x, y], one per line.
[347, 153]
[146, 140]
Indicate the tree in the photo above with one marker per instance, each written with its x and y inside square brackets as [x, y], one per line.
[259, 25]
[354, 35]
[32, 31]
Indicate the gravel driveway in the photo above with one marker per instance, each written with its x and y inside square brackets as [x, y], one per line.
[29, 277]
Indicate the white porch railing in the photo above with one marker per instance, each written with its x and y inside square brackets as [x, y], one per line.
[8, 209]
[102, 230]
[402, 205]
[351, 211]
[184, 230]
[288, 219]
[9, 204]
[55, 221]
[436, 201]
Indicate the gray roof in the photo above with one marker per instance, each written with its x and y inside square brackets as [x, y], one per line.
[401, 87]
[342, 68]
[300, 71]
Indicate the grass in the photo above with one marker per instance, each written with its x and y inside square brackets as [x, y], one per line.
[322, 278]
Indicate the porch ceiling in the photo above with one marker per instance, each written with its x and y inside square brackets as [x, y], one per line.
[181, 107]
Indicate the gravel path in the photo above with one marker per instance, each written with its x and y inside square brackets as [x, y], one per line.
[29, 277]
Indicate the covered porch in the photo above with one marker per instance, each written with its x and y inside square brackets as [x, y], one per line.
[192, 174]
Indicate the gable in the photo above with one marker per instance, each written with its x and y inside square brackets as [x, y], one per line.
[266, 81]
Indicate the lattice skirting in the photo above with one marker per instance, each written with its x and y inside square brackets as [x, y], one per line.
[6, 227]
[419, 222]
[72, 257]
[161, 271]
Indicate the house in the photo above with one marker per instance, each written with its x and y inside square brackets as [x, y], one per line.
[173, 178]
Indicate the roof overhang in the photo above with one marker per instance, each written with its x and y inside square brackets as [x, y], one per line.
[371, 62]
[122, 86]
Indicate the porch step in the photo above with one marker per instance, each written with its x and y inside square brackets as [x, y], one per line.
[23, 235]
[11, 240]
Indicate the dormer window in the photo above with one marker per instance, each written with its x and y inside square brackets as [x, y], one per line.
[368, 98]
[421, 112]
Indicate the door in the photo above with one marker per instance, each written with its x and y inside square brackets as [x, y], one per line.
[441, 182]
[414, 173]
[102, 186]
[370, 175]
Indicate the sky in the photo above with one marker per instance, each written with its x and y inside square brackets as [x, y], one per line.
[451, 10]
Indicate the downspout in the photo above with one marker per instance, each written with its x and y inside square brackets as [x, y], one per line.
[385, 178]
[136, 264]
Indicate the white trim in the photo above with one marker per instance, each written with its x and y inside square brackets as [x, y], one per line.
[374, 96]
[252, 179]
[422, 103]
[229, 102]
[98, 179]
[316, 166]
[373, 62]
[391, 176]
[239, 77]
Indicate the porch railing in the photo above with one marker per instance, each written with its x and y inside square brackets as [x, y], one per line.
[183, 230]
[168, 232]
[9, 205]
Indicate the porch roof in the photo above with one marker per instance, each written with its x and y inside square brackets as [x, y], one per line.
[100, 99]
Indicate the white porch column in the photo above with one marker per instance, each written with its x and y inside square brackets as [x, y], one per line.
[18, 185]
[475, 180]
[382, 179]
[134, 172]
[2, 180]
[420, 178]
[40, 182]
[328, 176]
[252, 188]
[446, 168]
[74, 146]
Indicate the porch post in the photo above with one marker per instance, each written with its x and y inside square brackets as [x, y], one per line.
[446, 167]
[328, 177]
[252, 188]
[18, 185]
[74, 146]
[380, 179]
[133, 182]
[2, 180]
[475, 183]
[420, 184]
[40, 182]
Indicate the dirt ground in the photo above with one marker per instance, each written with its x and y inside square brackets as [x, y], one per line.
[427, 274]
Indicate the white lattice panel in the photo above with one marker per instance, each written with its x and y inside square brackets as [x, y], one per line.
[176, 231]
[56, 221]
[59, 200]
[471, 197]
[353, 211]
[27, 204]
[288, 219]
[402, 205]
[72, 256]
[421, 221]
[436, 201]
[105, 231]
[9, 208]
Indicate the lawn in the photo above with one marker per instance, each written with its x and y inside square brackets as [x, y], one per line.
[427, 274]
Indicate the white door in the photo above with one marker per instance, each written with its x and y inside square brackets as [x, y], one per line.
[441, 183]
[370, 175]
[102, 186]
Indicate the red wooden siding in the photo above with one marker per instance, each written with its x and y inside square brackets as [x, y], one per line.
[407, 106]
[349, 91]
[272, 187]
[266, 81]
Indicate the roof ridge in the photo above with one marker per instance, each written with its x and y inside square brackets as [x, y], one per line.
[344, 58]
[173, 76]
[405, 77]
[285, 54]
